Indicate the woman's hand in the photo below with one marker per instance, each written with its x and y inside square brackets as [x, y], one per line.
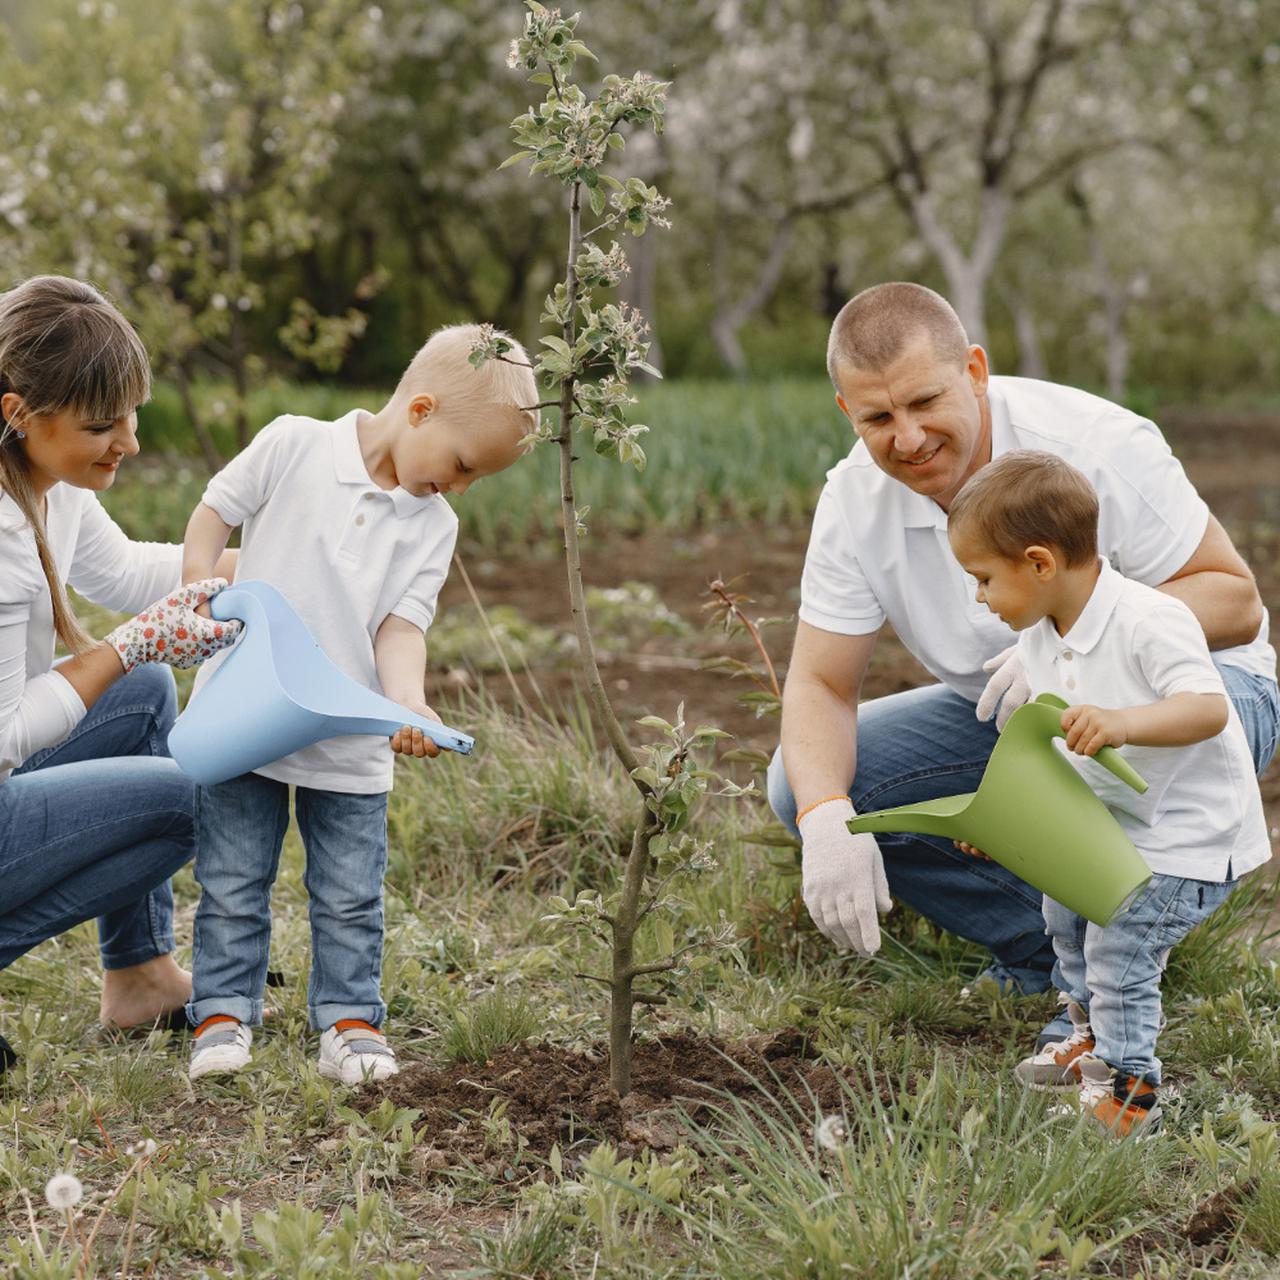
[170, 630]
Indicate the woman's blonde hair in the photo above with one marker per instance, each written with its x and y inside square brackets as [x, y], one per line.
[62, 346]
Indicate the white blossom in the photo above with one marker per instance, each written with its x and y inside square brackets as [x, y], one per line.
[830, 1133]
[63, 1191]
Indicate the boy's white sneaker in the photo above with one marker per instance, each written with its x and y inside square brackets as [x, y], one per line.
[220, 1047]
[354, 1051]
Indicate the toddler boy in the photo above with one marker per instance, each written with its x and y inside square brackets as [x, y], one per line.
[348, 520]
[1134, 664]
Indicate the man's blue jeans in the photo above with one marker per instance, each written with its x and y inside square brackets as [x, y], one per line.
[241, 827]
[96, 825]
[926, 743]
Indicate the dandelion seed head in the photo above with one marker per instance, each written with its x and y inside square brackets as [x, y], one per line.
[63, 1191]
[830, 1133]
[143, 1147]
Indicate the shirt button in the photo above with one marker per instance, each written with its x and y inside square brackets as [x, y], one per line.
[359, 519]
[1071, 684]
[1068, 655]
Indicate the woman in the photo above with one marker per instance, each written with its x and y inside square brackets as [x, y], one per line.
[94, 816]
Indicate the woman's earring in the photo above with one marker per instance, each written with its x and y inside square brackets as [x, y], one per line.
[22, 435]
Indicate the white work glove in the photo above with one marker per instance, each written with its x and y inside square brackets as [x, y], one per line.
[1007, 686]
[844, 884]
[170, 631]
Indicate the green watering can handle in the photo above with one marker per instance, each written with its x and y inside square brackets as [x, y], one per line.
[1108, 757]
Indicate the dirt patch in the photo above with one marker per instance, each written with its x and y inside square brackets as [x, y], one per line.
[531, 1097]
[1215, 1218]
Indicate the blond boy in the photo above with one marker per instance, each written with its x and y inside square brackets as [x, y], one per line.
[349, 520]
[1135, 667]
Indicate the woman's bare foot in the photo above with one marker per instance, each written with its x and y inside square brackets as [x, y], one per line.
[143, 992]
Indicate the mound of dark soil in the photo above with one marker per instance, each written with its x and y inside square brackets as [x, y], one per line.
[555, 1097]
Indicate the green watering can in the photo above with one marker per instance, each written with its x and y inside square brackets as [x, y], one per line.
[1034, 814]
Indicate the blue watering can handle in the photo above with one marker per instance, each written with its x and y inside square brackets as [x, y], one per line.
[1108, 757]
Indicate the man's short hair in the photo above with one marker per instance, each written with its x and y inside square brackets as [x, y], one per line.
[443, 367]
[1027, 498]
[874, 327]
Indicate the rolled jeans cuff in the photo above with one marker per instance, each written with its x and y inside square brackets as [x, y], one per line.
[239, 1007]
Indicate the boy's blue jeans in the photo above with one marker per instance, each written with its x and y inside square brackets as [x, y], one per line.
[95, 826]
[926, 743]
[240, 830]
[1114, 972]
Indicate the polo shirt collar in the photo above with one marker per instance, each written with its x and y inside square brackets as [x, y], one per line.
[349, 468]
[1092, 622]
[921, 512]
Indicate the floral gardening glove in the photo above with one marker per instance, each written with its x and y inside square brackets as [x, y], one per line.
[170, 630]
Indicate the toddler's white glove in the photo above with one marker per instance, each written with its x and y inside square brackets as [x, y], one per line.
[844, 884]
[1008, 687]
[171, 631]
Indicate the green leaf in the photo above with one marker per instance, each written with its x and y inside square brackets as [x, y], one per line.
[515, 159]
[665, 936]
[595, 195]
[654, 722]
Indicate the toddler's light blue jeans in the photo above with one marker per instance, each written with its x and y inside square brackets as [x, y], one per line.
[240, 830]
[1114, 972]
[95, 826]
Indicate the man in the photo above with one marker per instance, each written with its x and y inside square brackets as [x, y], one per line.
[928, 415]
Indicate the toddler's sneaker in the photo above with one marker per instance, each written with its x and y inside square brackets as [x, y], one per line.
[354, 1051]
[1057, 1065]
[1123, 1105]
[220, 1047]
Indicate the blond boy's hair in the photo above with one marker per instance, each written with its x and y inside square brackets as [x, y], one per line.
[873, 328]
[1028, 498]
[443, 367]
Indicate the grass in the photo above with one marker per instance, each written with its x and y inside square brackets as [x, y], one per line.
[716, 450]
[945, 1168]
[755, 451]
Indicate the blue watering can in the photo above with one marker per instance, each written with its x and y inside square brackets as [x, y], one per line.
[276, 693]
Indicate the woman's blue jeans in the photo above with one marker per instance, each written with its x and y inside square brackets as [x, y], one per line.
[96, 825]
[926, 743]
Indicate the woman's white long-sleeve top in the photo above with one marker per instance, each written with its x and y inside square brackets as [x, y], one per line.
[92, 553]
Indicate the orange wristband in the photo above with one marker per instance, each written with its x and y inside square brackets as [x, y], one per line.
[810, 808]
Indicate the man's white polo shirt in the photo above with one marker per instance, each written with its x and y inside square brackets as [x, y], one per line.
[345, 554]
[879, 551]
[1131, 646]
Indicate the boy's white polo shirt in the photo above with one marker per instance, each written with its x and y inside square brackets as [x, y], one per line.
[878, 551]
[1131, 646]
[345, 554]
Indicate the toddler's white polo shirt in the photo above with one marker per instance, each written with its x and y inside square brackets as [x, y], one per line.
[878, 551]
[345, 554]
[1131, 646]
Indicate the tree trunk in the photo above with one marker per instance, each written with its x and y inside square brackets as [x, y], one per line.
[1030, 356]
[730, 316]
[640, 290]
[208, 450]
[967, 276]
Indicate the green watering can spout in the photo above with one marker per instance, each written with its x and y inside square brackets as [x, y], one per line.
[1034, 814]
